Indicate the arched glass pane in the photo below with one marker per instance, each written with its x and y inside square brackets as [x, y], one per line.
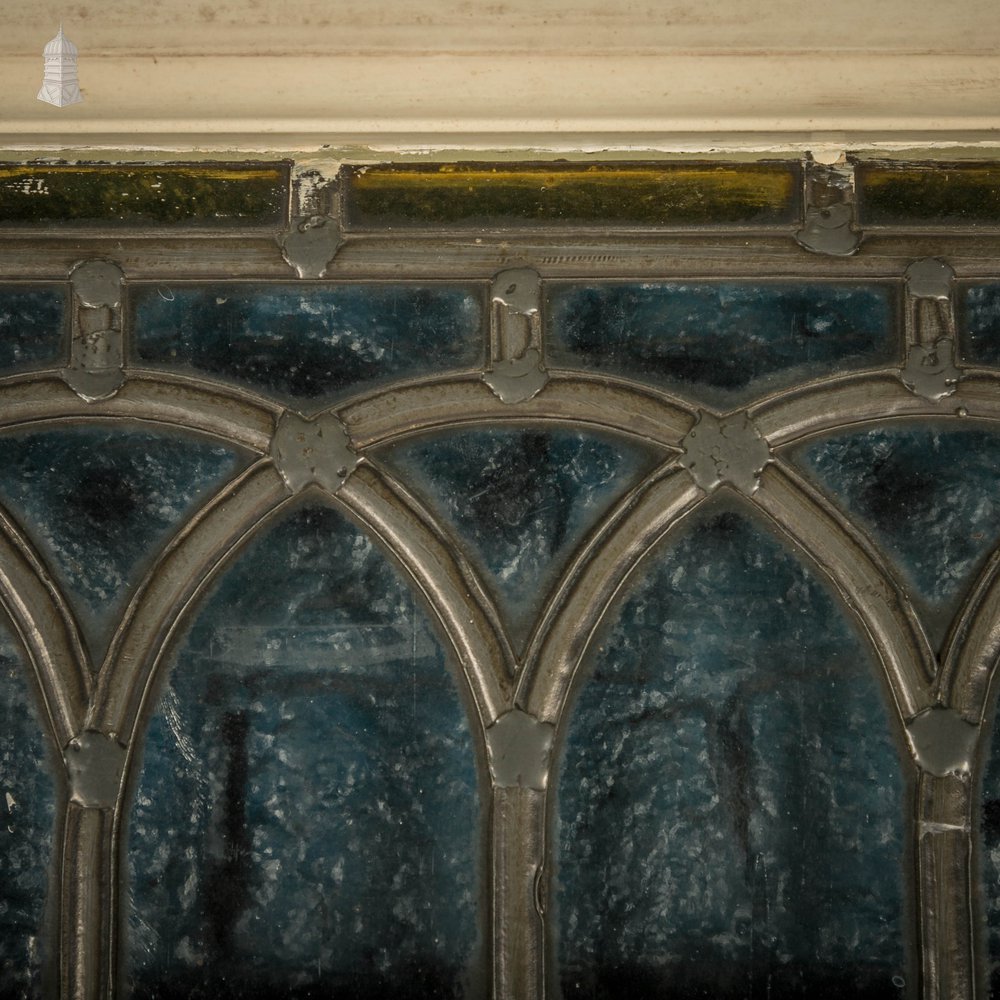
[100, 503]
[27, 805]
[519, 501]
[306, 817]
[730, 801]
[928, 494]
[989, 852]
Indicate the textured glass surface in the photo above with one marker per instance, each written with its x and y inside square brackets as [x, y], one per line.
[483, 194]
[306, 819]
[731, 808]
[929, 496]
[520, 501]
[980, 333]
[990, 858]
[31, 327]
[27, 804]
[99, 504]
[721, 342]
[932, 195]
[309, 343]
[205, 194]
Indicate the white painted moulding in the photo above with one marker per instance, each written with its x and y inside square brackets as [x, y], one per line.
[511, 93]
[541, 68]
[587, 27]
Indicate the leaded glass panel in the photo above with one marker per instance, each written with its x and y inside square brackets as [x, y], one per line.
[499, 580]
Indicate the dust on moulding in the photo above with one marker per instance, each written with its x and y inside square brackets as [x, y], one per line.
[60, 85]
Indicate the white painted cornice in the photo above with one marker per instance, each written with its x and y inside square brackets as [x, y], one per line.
[514, 73]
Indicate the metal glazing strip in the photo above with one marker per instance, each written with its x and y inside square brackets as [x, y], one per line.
[125, 682]
[194, 404]
[592, 579]
[88, 913]
[971, 655]
[50, 634]
[445, 579]
[170, 587]
[861, 577]
[954, 962]
[569, 252]
[841, 402]
[570, 398]
[944, 887]
[518, 896]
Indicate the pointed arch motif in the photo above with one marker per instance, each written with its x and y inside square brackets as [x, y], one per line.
[375, 505]
[46, 625]
[116, 699]
[612, 740]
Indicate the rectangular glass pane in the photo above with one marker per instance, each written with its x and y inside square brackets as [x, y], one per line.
[32, 327]
[721, 343]
[308, 343]
[193, 195]
[929, 196]
[979, 334]
[476, 194]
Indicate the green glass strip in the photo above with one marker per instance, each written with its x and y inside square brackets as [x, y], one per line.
[179, 194]
[934, 195]
[475, 194]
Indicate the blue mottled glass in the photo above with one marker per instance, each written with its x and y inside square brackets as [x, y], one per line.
[308, 344]
[100, 503]
[721, 343]
[27, 805]
[31, 327]
[929, 496]
[980, 332]
[519, 501]
[305, 823]
[730, 801]
[989, 856]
